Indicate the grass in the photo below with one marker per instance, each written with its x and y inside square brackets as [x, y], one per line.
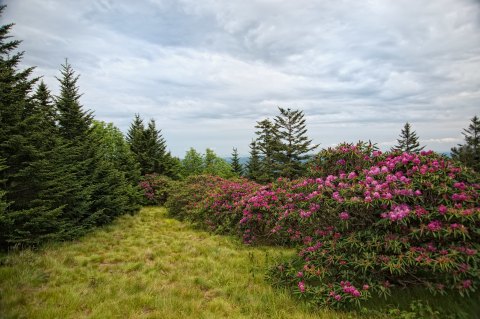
[152, 266]
[147, 266]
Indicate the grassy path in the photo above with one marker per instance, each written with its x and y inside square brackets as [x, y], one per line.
[146, 266]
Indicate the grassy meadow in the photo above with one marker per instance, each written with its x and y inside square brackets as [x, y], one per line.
[147, 266]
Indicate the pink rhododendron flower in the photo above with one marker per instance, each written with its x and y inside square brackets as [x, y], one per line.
[442, 209]
[399, 212]
[344, 215]
[435, 225]
[301, 286]
[467, 283]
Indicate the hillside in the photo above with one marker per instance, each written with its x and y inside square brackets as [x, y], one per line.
[146, 266]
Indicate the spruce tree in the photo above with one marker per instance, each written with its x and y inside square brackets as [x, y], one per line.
[137, 140]
[267, 144]
[293, 144]
[408, 141]
[74, 122]
[173, 166]
[253, 166]
[469, 153]
[26, 216]
[155, 149]
[78, 148]
[149, 148]
[106, 193]
[115, 149]
[237, 168]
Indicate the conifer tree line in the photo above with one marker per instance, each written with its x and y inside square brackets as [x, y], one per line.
[61, 172]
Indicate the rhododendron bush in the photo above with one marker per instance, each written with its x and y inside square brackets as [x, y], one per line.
[366, 223]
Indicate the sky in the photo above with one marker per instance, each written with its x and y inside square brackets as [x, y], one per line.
[208, 70]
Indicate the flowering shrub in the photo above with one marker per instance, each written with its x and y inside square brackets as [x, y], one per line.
[155, 188]
[186, 196]
[374, 222]
[408, 220]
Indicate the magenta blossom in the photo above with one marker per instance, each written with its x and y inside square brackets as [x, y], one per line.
[435, 225]
[344, 216]
[301, 286]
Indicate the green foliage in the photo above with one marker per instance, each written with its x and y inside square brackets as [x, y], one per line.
[237, 168]
[469, 153]
[345, 157]
[281, 147]
[74, 122]
[59, 176]
[113, 148]
[192, 163]
[156, 188]
[253, 166]
[408, 141]
[149, 148]
[195, 163]
[186, 195]
[267, 144]
[293, 144]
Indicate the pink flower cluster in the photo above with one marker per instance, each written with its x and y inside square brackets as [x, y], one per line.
[348, 288]
[397, 213]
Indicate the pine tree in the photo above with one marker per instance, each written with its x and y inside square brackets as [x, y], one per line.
[267, 144]
[253, 166]
[235, 163]
[293, 144]
[408, 141]
[469, 153]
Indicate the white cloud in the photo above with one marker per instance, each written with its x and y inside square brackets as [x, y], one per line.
[207, 70]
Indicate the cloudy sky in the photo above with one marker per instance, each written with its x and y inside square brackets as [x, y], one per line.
[207, 70]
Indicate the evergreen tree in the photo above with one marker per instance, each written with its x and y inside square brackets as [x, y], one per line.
[154, 150]
[137, 141]
[237, 168]
[469, 153]
[78, 147]
[293, 144]
[105, 192]
[74, 122]
[253, 166]
[113, 148]
[267, 144]
[173, 166]
[408, 141]
[45, 107]
[26, 217]
[149, 147]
